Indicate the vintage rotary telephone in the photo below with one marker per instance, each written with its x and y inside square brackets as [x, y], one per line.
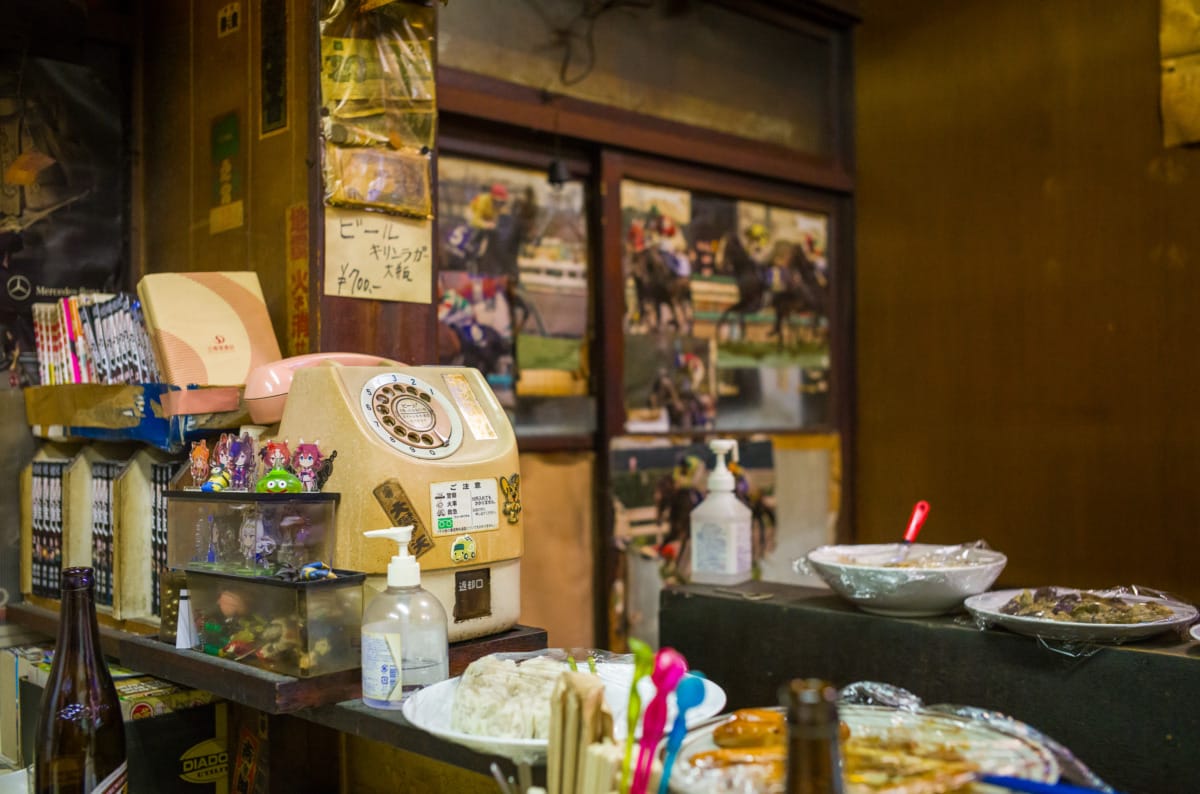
[428, 446]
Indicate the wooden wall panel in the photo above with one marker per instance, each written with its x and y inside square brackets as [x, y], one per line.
[192, 76]
[1028, 289]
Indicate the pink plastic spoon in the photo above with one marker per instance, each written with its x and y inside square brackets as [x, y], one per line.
[669, 668]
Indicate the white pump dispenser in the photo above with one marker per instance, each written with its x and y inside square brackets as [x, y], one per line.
[404, 637]
[721, 550]
[403, 570]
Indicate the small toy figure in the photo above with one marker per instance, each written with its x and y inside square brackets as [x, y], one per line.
[241, 456]
[279, 481]
[199, 462]
[276, 455]
[231, 604]
[256, 544]
[306, 462]
[220, 452]
[218, 480]
[511, 487]
[280, 643]
[326, 470]
[310, 660]
[316, 570]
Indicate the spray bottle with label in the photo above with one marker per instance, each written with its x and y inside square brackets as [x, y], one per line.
[404, 644]
[721, 526]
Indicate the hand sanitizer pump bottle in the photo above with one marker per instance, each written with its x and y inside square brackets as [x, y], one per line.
[720, 544]
[404, 644]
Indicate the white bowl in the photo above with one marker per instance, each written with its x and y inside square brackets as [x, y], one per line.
[860, 574]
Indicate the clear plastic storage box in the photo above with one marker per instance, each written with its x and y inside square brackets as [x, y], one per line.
[249, 534]
[296, 628]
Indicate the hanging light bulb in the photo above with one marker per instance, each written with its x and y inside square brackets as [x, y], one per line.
[558, 174]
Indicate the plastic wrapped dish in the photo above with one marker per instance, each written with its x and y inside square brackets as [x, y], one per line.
[898, 751]
[887, 579]
[1089, 616]
[501, 703]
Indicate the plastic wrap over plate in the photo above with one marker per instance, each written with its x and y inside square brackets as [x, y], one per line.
[431, 708]
[1063, 614]
[913, 581]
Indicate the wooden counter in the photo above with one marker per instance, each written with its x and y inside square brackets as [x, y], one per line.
[330, 701]
[1131, 712]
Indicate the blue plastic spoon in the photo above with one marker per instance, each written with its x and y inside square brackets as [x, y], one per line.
[689, 694]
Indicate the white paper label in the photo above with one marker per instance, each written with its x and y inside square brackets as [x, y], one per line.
[375, 256]
[380, 668]
[464, 506]
[720, 550]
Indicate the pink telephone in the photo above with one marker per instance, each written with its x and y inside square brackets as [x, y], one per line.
[267, 386]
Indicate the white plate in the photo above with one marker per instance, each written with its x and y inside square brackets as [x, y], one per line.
[1195, 632]
[430, 709]
[987, 606]
[994, 751]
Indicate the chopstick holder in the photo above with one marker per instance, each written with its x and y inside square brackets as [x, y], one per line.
[579, 722]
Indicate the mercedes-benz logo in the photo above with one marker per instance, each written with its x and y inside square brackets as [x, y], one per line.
[19, 287]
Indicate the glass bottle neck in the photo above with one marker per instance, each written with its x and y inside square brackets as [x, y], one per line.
[78, 629]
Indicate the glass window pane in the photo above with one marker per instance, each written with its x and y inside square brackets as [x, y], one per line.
[726, 312]
[513, 297]
[708, 67]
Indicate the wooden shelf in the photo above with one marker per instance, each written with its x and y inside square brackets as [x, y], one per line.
[259, 689]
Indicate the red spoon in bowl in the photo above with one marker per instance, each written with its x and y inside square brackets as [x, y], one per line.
[917, 520]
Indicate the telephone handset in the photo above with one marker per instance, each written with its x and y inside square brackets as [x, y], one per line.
[267, 386]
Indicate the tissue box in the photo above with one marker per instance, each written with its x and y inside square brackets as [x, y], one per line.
[301, 628]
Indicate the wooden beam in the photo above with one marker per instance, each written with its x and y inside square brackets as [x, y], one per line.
[496, 100]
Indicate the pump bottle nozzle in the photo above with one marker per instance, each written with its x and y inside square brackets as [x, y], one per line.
[721, 479]
[403, 570]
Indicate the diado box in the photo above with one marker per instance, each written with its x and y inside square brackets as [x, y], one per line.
[184, 750]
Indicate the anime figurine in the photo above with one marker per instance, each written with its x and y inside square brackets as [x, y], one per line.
[220, 452]
[279, 481]
[276, 455]
[242, 468]
[256, 544]
[306, 462]
[199, 462]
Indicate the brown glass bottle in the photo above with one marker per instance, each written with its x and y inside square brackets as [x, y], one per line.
[814, 758]
[80, 739]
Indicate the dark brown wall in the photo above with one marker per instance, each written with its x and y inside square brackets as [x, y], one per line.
[1028, 289]
[191, 77]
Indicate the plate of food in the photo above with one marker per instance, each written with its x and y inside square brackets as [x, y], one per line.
[1064, 613]
[501, 703]
[883, 749]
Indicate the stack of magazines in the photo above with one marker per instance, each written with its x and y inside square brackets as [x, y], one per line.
[93, 338]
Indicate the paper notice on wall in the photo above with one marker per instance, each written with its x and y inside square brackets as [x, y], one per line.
[375, 256]
[1179, 48]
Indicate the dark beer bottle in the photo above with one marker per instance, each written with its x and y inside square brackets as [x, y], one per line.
[80, 740]
[814, 758]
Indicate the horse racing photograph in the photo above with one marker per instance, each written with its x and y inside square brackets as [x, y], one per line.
[512, 284]
[749, 281]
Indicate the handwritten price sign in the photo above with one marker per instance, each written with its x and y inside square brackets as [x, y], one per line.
[374, 256]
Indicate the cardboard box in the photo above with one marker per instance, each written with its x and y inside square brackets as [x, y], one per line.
[176, 738]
